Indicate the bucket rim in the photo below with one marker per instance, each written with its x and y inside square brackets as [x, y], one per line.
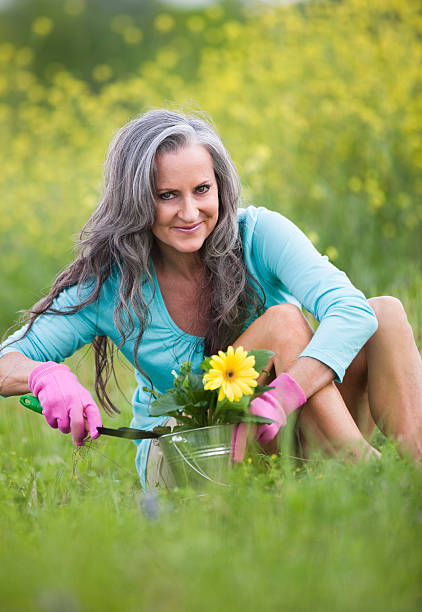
[185, 431]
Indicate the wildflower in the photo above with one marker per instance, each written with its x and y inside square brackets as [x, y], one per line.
[233, 373]
[164, 23]
[42, 26]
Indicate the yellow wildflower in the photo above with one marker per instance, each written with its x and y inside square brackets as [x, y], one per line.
[233, 373]
[42, 26]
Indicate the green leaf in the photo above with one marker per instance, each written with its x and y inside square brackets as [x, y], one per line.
[235, 417]
[259, 390]
[230, 416]
[181, 395]
[185, 368]
[196, 411]
[195, 382]
[185, 395]
[241, 405]
[255, 418]
[206, 365]
[165, 404]
[262, 357]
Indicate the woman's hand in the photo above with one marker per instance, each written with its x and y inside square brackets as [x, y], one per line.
[66, 403]
[276, 404]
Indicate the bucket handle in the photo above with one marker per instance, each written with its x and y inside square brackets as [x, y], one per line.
[196, 469]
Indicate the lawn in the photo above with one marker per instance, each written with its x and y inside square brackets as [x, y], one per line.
[78, 532]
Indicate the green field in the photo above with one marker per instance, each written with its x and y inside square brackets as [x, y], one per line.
[77, 532]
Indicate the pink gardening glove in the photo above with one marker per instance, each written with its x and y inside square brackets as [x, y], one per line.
[66, 403]
[275, 404]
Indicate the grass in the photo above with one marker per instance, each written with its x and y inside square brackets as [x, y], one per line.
[325, 535]
[78, 533]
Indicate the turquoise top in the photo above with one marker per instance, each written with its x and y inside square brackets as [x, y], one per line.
[278, 255]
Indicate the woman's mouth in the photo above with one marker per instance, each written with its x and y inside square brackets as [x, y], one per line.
[188, 229]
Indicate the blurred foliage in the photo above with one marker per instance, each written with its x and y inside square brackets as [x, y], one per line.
[319, 104]
[101, 40]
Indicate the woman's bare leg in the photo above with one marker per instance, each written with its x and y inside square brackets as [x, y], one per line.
[383, 384]
[394, 368]
[354, 391]
[324, 419]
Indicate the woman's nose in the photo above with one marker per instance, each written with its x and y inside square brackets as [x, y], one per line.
[188, 211]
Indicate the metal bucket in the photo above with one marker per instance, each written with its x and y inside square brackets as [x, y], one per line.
[199, 456]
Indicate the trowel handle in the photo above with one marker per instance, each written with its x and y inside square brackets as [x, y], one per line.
[31, 402]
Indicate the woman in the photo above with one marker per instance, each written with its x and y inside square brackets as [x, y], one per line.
[169, 269]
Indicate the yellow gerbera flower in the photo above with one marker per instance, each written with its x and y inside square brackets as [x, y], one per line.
[233, 373]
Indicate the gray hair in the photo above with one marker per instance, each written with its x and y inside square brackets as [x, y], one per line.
[118, 234]
[130, 174]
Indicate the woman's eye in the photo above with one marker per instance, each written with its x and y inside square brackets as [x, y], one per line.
[166, 196]
[203, 188]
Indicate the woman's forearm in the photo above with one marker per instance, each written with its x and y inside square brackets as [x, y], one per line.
[310, 374]
[15, 369]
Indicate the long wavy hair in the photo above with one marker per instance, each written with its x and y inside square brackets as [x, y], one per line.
[118, 237]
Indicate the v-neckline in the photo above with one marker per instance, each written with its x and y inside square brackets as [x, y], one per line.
[164, 311]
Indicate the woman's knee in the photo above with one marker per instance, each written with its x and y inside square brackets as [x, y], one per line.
[280, 328]
[390, 313]
[289, 321]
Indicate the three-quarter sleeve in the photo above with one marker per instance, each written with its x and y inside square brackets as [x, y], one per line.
[56, 337]
[288, 260]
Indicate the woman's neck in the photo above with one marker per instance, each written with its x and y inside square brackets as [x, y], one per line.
[171, 262]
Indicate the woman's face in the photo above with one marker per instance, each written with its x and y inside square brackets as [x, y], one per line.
[186, 199]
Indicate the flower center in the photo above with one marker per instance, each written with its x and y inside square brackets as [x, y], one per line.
[229, 373]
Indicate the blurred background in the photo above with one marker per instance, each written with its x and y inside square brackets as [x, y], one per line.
[319, 104]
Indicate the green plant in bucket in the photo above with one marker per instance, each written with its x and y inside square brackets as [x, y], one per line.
[220, 396]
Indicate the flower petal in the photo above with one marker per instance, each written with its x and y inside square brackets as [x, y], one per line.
[237, 391]
[244, 387]
[227, 387]
[231, 372]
